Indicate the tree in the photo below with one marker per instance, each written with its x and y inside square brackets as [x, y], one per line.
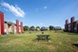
[43, 28]
[37, 28]
[32, 28]
[26, 28]
[51, 27]
[58, 28]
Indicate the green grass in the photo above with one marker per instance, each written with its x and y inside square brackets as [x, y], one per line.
[59, 42]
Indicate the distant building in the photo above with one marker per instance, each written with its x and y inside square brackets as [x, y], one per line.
[57, 28]
[72, 26]
[8, 27]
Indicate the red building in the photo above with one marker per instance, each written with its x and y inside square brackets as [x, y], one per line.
[72, 26]
[19, 26]
[1, 23]
[8, 26]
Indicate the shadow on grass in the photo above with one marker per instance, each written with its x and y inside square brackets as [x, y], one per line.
[36, 40]
[72, 33]
[75, 44]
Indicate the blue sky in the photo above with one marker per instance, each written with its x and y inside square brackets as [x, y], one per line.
[39, 12]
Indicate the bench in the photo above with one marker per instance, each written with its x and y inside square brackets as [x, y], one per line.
[43, 37]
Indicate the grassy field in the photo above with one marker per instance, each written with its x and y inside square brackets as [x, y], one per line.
[59, 42]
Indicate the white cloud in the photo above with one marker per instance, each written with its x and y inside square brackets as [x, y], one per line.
[14, 9]
[45, 7]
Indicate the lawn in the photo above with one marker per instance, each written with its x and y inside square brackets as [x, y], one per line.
[59, 42]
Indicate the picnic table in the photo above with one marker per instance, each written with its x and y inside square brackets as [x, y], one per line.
[43, 37]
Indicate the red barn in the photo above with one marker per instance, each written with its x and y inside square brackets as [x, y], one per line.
[7, 27]
[72, 26]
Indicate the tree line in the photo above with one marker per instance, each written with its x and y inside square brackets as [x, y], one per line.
[43, 28]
